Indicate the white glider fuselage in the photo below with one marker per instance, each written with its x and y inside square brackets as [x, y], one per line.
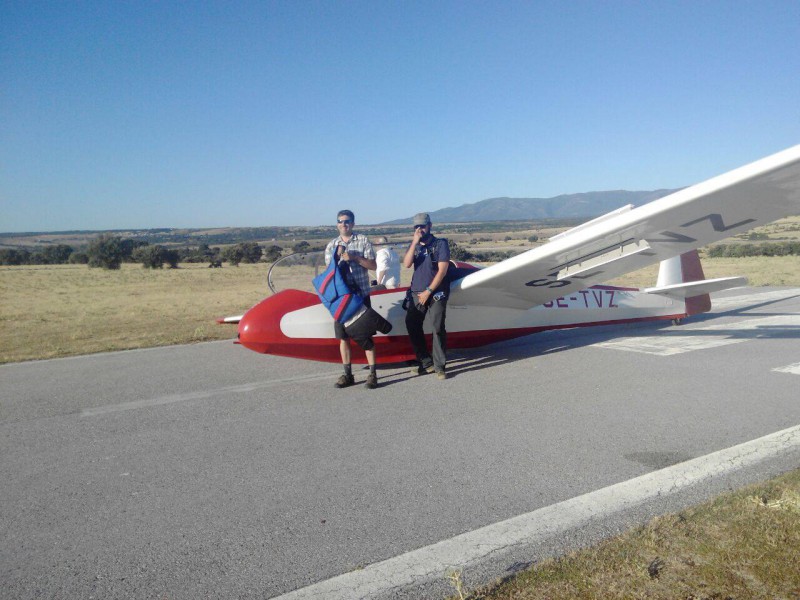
[294, 323]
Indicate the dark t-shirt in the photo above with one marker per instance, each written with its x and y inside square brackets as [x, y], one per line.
[425, 267]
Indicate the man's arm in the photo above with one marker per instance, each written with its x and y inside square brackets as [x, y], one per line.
[367, 263]
[440, 274]
[408, 259]
[380, 273]
[329, 253]
[425, 294]
[381, 265]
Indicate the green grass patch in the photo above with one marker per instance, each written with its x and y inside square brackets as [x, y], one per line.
[742, 545]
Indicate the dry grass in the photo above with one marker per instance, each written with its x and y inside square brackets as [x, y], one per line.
[783, 230]
[759, 270]
[741, 545]
[63, 310]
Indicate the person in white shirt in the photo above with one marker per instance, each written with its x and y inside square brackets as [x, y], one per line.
[388, 265]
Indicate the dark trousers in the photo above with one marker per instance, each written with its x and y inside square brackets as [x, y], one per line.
[415, 317]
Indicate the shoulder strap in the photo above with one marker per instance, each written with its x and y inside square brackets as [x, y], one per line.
[434, 254]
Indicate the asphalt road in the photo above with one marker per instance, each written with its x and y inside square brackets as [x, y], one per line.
[208, 471]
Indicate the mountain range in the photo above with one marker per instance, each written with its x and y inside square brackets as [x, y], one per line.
[588, 204]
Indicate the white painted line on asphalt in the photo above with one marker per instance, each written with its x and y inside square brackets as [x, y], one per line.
[433, 562]
[793, 369]
[666, 345]
[709, 336]
[202, 394]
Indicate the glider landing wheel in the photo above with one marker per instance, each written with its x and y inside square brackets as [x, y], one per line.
[677, 321]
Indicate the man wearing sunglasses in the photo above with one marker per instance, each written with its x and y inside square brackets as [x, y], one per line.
[430, 257]
[355, 252]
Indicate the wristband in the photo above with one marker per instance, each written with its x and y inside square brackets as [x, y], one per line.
[430, 291]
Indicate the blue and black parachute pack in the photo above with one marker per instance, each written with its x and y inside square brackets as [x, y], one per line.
[338, 297]
[348, 307]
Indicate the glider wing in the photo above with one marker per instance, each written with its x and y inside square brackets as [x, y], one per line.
[631, 238]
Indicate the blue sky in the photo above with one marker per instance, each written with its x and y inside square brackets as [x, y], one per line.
[118, 115]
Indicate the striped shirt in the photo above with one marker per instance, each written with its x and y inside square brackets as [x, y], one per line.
[359, 245]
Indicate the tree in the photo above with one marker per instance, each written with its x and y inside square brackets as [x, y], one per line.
[57, 255]
[301, 246]
[251, 252]
[459, 253]
[171, 257]
[13, 256]
[78, 258]
[214, 256]
[200, 254]
[151, 257]
[128, 246]
[247, 252]
[154, 257]
[105, 251]
[272, 253]
[233, 255]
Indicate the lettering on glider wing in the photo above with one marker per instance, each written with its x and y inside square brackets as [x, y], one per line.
[716, 222]
[552, 280]
[550, 283]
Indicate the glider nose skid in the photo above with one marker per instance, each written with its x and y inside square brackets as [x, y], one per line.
[260, 327]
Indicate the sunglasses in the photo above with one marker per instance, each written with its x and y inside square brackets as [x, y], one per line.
[420, 226]
[345, 221]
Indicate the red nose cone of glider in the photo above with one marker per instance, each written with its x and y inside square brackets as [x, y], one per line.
[260, 327]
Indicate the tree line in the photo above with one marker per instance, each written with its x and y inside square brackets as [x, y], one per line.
[110, 251]
[765, 249]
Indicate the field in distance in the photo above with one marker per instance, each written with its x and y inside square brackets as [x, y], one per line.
[50, 311]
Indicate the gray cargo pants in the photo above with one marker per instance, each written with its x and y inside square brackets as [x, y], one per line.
[415, 317]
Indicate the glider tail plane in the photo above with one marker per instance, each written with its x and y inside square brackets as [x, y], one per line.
[682, 278]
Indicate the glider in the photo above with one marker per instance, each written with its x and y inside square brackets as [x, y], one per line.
[560, 284]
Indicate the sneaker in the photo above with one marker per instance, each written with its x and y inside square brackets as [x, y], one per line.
[441, 374]
[345, 380]
[420, 370]
[372, 381]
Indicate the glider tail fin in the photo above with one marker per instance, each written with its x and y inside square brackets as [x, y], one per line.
[692, 270]
[681, 277]
[680, 269]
